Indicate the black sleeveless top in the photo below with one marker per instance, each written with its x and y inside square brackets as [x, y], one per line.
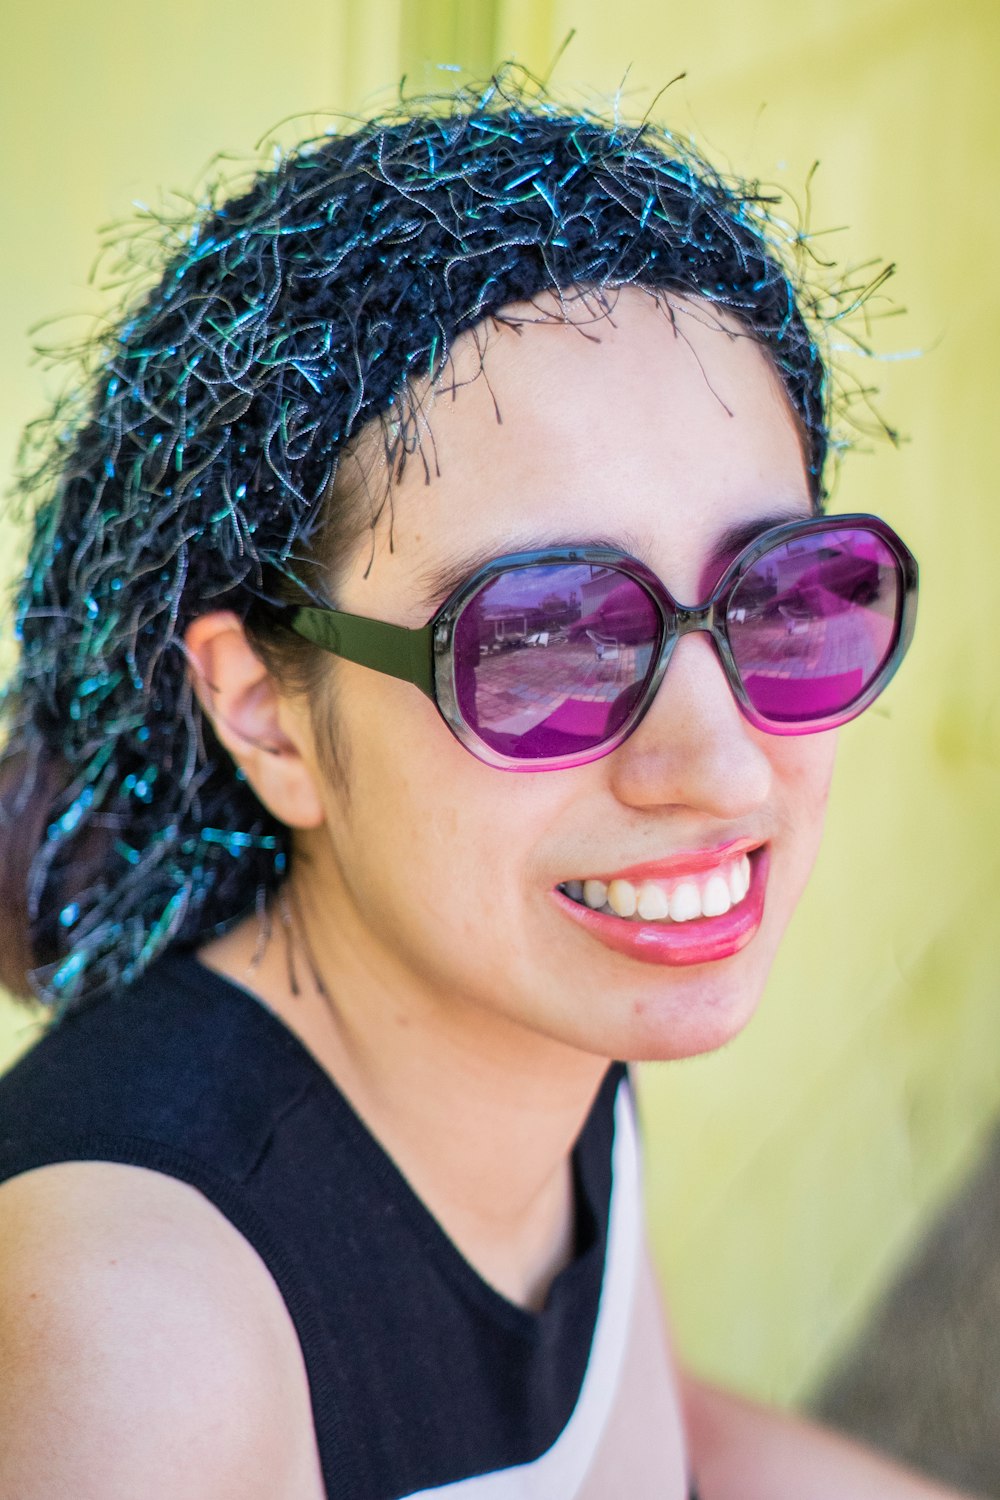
[423, 1379]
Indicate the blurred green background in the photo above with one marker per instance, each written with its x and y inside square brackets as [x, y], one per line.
[790, 1176]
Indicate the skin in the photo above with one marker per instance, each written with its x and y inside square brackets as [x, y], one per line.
[423, 892]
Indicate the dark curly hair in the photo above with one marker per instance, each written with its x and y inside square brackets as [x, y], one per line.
[203, 472]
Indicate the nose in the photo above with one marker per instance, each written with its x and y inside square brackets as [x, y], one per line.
[694, 748]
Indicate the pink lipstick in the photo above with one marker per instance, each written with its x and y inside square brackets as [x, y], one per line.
[675, 911]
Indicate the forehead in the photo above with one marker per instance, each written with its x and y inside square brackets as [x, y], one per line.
[656, 426]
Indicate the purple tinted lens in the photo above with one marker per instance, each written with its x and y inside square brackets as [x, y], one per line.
[551, 659]
[813, 622]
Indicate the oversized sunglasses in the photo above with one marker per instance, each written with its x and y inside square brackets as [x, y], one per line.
[544, 660]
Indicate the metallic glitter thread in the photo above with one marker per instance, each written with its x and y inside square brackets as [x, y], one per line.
[198, 457]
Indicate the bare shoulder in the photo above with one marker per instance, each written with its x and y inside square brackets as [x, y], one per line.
[144, 1348]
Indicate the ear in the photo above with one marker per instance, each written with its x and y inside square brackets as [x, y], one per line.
[266, 733]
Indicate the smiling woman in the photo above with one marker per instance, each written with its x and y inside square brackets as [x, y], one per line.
[328, 1165]
[674, 434]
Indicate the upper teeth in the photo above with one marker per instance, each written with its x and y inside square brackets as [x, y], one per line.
[678, 900]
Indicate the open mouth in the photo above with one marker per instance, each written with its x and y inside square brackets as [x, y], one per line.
[683, 898]
[690, 909]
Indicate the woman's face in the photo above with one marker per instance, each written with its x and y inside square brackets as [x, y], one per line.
[662, 436]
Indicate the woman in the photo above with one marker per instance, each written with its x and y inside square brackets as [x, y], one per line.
[325, 1182]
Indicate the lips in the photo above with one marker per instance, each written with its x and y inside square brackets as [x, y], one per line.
[692, 909]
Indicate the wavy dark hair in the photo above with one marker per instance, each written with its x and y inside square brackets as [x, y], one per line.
[202, 472]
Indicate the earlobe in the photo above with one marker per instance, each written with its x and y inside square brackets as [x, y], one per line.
[252, 719]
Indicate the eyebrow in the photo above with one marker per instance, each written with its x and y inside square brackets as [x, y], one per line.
[732, 541]
[438, 584]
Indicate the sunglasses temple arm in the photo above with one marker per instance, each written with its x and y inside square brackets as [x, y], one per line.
[392, 649]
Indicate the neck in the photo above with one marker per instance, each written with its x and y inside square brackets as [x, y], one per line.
[479, 1113]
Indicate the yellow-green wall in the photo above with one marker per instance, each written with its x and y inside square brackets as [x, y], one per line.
[789, 1176]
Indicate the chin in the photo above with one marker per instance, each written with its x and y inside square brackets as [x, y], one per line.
[701, 1012]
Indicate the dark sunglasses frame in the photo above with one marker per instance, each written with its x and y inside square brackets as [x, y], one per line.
[424, 656]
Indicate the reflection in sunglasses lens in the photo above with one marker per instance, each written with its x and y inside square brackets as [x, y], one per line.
[550, 659]
[812, 622]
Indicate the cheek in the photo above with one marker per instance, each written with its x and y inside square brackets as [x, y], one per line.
[415, 809]
[803, 770]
